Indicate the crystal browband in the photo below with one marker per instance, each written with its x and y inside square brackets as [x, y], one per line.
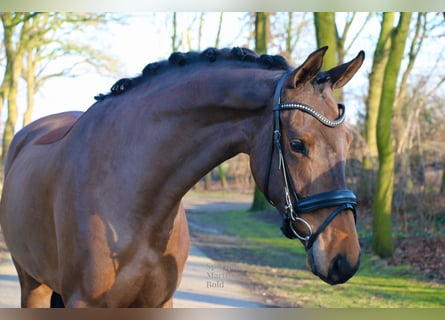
[317, 115]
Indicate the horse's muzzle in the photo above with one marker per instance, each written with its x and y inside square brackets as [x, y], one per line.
[340, 269]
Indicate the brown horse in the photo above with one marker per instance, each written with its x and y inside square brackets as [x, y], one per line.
[91, 205]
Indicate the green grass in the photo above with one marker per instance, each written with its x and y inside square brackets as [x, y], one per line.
[277, 267]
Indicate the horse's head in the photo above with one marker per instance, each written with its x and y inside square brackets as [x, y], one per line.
[304, 173]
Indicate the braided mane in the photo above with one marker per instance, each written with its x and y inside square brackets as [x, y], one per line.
[179, 59]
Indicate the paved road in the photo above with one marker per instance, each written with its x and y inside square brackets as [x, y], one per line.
[198, 288]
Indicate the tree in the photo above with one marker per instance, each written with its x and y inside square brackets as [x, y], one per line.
[175, 31]
[42, 38]
[405, 114]
[13, 23]
[382, 205]
[373, 101]
[326, 35]
[261, 39]
[293, 32]
[262, 31]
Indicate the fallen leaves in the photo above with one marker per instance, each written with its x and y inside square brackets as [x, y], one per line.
[426, 256]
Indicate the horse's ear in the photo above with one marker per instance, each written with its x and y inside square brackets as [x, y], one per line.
[341, 74]
[309, 69]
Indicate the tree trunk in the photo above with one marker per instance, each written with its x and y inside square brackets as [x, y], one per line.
[11, 100]
[379, 61]
[221, 171]
[375, 89]
[261, 31]
[218, 33]
[289, 32]
[12, 23]
[382, 243]
[259, 202]
[326, 35]
[175, 32]
[222, 176]
[30, 83]
[208, 181]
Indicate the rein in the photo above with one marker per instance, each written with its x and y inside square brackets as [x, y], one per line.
[341, 199]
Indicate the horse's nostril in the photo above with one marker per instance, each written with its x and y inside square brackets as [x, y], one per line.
[340, 270]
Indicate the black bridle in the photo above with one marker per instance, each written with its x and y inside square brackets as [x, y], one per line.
[341, 199]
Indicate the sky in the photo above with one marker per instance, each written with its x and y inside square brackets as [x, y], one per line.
[140, 41]
[135, 44]
[146, 37]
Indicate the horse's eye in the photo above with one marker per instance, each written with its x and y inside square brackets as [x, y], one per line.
[298, 146]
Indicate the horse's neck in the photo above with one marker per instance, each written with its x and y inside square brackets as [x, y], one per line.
[176, 140]
[204, 129]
